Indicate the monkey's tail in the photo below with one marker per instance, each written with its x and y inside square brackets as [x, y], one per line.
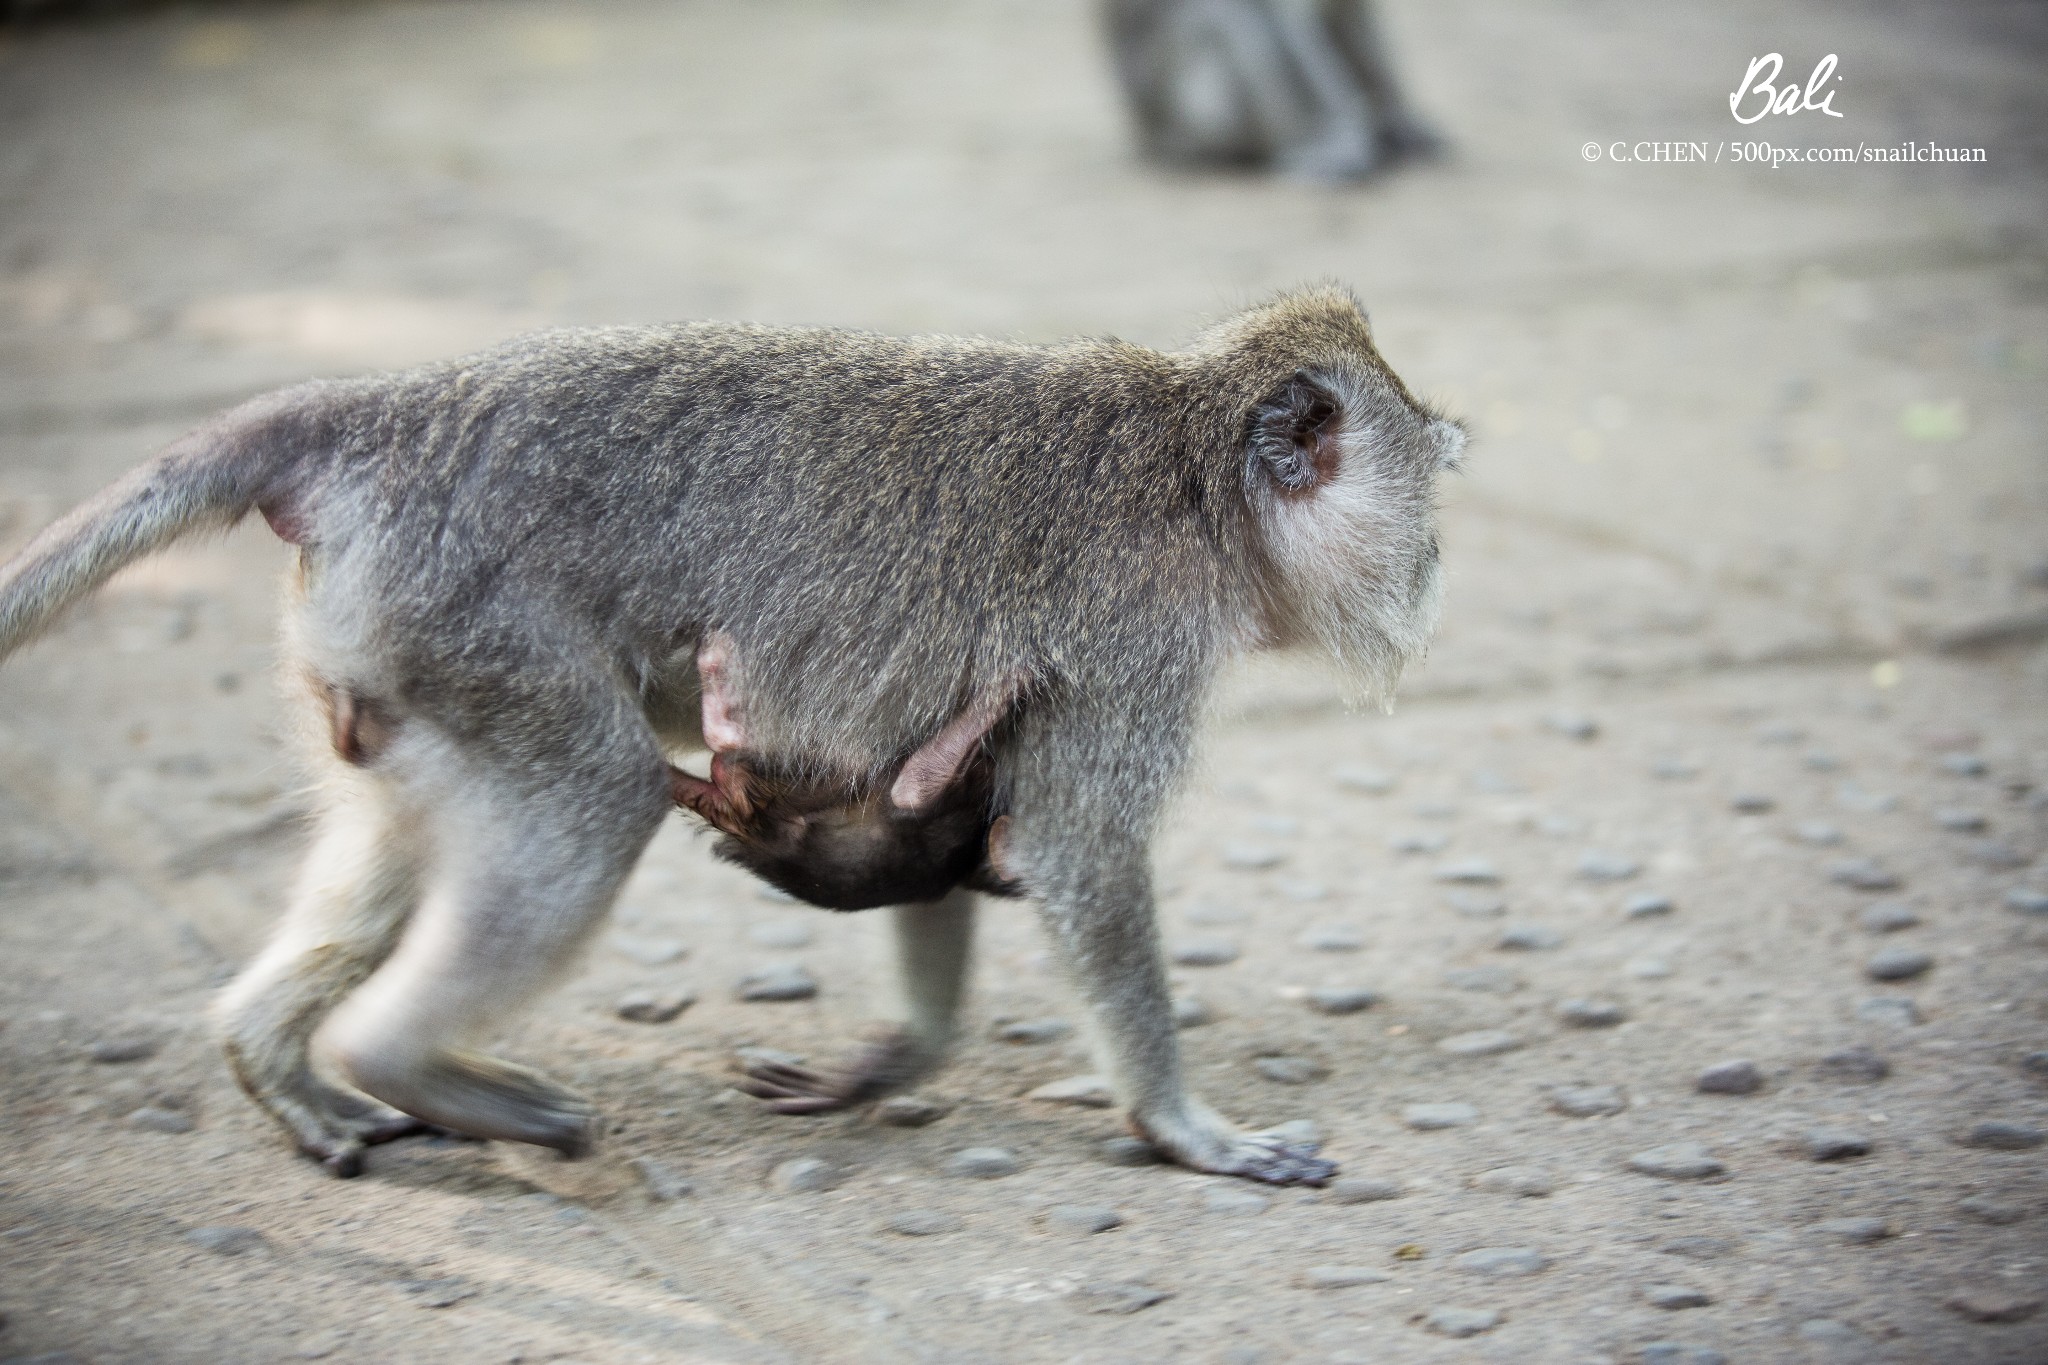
[206, 481]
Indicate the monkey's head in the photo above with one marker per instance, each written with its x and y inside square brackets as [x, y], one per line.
[1340, 466]
[808, 838]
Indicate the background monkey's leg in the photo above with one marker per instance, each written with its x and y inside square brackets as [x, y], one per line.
[1340, 139]
[1354, 27]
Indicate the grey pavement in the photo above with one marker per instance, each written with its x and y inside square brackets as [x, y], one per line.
[1749, 612]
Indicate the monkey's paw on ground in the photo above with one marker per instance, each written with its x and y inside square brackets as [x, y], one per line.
[346, 1161]
[341, 1130]
[889, 1062]
[1277, 1160]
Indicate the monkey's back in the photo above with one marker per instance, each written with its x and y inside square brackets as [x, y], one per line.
[882, 524]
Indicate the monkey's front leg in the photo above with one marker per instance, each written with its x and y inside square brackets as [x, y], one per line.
[1102, 925]
[934, 942]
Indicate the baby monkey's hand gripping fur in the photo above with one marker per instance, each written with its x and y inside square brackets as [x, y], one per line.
[509, 562]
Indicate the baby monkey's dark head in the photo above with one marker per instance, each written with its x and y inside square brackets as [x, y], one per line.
[806, 836]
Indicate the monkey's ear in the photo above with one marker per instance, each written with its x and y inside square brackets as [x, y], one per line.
[1293, 437]
[1448, 439]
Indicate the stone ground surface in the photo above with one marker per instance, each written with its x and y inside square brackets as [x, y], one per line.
[1757, 494]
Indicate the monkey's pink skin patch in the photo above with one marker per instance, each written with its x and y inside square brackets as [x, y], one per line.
[999, 851]
[285, 522]
[723, 729]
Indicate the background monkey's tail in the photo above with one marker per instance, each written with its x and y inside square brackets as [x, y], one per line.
[206, 481]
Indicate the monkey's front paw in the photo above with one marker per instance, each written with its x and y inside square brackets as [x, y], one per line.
[1201, 1141]
[1280, 1161]
[881, 1067]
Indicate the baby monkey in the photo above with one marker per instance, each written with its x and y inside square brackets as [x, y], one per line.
[853, 846]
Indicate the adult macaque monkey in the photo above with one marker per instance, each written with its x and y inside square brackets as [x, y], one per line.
[1304, 87]
[511, 560]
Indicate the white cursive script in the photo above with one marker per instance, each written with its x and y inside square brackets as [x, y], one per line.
[1791, 100]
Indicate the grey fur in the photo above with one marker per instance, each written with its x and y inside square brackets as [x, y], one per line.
[1300, 86]
[513, 557]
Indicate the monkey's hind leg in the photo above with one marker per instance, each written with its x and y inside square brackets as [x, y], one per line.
[528, 852]
[353, 894]
[934, 941]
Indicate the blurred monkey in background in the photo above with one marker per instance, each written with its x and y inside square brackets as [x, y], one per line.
[1303, 87]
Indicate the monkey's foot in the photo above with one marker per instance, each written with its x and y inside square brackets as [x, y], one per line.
[1280, 1161]
[1266, 1157]
[472, 1095]
[890, 1062]
[335, 1128]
